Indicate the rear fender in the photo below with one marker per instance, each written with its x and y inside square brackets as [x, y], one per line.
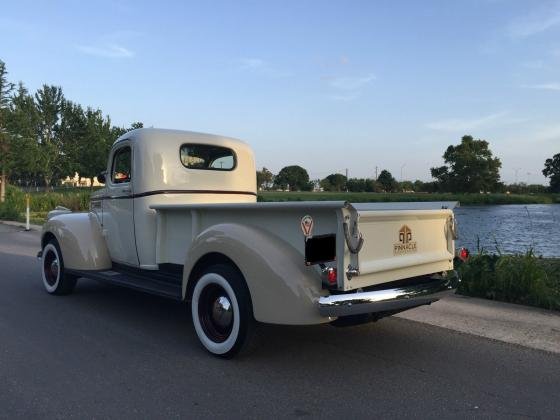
[283, 290]
[81, 241]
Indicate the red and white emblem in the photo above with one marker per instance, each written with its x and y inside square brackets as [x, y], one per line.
[307, 225]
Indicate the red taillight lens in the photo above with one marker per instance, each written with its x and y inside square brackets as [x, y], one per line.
[464, 254]
[332, 276]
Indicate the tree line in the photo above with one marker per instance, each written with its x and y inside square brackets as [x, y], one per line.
[45, 137]
[470, 167]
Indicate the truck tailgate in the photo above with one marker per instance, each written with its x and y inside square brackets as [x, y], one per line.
[399, 244]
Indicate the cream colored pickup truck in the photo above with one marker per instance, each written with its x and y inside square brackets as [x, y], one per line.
[178, 217]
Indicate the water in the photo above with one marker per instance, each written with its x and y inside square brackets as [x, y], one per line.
[511, 228]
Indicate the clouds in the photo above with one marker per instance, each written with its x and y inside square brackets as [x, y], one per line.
[109, 51]
[545, 86]
[349, 88]
[540, 20]
[467, 124]
[259, 66]
[351, 83]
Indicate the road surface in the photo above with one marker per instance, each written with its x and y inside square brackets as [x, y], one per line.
[108, 352]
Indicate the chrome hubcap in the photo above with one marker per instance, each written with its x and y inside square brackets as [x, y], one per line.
[222, 312]
[215, 312]
[51, 268]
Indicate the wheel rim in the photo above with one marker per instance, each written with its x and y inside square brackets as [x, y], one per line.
[51, 268]
[215, 312]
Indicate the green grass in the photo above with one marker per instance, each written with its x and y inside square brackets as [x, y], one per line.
[465, 199]
[524, 278]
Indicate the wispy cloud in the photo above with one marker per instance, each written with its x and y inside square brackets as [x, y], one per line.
[349, 88]
[544, 86]
[111, 51]
[536, 22]
[465, 124]
[260, 66]
[351, 83]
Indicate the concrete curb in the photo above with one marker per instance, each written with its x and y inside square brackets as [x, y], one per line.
[21, 225]
[510, 323]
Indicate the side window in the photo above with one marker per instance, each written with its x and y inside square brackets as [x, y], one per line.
[207, 156]
[122, 166]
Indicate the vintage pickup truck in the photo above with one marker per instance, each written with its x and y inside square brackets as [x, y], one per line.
[178, 217]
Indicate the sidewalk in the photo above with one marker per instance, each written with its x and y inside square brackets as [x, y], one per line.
[516, 324]
[21, 225]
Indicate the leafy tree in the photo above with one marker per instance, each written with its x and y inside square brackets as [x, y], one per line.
[23, 126]
[264, 178]
[552, 170]
[388, 183]
[5, 99]
[363, 185]
[406, 186]
[295, 177]
[334, 182]
[470, 167]
[49, 100]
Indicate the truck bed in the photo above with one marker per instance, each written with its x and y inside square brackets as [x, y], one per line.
[400, 240]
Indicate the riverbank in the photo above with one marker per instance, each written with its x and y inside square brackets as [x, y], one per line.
[464, 199]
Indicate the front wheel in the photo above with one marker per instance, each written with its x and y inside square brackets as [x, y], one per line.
[55, 279]
[222, 311]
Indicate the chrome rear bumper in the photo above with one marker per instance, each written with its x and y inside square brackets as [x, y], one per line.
[392, 299]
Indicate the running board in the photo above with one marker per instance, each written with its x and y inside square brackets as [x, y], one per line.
[142, 282]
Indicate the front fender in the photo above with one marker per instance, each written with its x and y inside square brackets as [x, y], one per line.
[283, 290]
[81, 242]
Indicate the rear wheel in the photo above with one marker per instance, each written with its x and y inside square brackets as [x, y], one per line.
[55, 279]
[222, 311]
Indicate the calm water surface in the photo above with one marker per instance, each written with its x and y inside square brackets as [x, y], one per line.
[511, 228]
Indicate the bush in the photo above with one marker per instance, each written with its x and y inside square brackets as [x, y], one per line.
[524, 279]
[41, 203]
[14, 204]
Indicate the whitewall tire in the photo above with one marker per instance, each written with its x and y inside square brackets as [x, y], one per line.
[221, 310]
[55, 280]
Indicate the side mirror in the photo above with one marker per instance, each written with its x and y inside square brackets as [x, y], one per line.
[101, 177]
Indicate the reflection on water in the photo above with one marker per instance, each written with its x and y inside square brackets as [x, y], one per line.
[511, 228]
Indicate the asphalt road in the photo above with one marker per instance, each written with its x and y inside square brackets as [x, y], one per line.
[108, 352]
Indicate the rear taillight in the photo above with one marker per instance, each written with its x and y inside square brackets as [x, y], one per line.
[332, 276]
[463, 254]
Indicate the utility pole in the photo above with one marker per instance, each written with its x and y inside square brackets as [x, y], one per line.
[402, 167]
[516, 171]
[346, 180]
[376, 168]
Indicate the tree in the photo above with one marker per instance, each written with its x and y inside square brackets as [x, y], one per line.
[552, 170]
[23, 127]
[388, 183]
[5, 99]
[295, 177]
[470, 167]
[334, 182]
[363, 185]
[264, 179]
[49, 100]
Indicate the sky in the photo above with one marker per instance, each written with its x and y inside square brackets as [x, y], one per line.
[328, 85]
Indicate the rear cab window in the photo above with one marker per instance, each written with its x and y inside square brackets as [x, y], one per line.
[207, 157]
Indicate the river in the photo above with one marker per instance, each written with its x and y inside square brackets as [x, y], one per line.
[511, 228]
